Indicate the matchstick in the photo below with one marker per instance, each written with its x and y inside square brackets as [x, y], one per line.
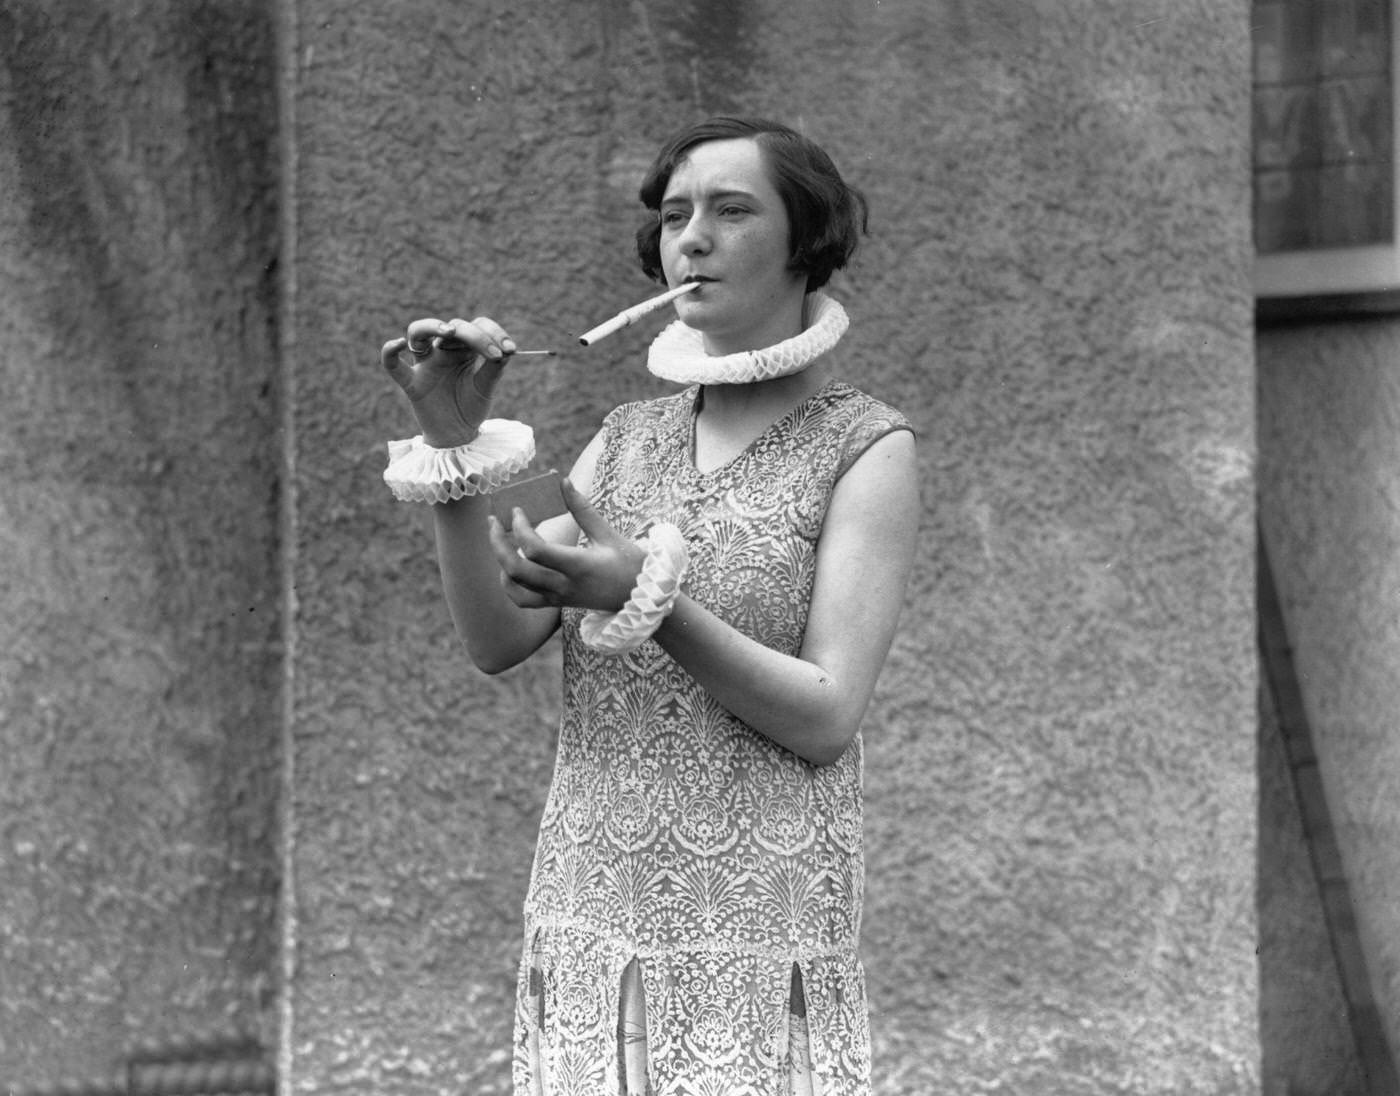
[456, 344]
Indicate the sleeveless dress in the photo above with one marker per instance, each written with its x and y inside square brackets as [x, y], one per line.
[693, 879]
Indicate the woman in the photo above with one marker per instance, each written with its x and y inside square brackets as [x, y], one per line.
[728, 578]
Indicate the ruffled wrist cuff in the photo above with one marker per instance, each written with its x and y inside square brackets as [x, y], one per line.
[653, 597]
[418, 472]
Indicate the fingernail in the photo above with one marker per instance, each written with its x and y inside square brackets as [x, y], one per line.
[508, 345]
[494, 352]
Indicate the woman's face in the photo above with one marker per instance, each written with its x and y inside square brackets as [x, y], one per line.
[723, 222]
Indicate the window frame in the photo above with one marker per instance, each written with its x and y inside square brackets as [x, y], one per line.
[1330, 281]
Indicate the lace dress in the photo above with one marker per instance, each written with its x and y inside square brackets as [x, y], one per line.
[696, 895]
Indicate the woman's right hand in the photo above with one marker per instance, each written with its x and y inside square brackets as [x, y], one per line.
[455, 368]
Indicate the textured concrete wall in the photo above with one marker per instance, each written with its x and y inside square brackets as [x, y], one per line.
[1305, 1033]
[139, 674]
[1329, 445]
[1061, 757]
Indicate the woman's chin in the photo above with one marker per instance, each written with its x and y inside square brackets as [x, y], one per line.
[694, 313]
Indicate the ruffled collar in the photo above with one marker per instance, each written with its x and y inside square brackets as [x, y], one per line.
[678, 353]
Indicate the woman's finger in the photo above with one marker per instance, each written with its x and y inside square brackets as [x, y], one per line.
[539, 581]
[389, 358]
[481, 335]
[421, 334]
[517, 560]
[525, 597]
[559, 559]
[502, 547]
[497, 333]
[487, 375]
[590, 522]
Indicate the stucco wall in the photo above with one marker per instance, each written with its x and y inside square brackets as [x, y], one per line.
[1329, 444]
[1061, 767]
[139, 605]
[1061, 756]
[1305, 1033]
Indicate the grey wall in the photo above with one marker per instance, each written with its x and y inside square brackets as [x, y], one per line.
[1061, 758]
[139, 601]
[1329, 501]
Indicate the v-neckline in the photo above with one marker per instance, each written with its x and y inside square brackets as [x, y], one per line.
[693, 420]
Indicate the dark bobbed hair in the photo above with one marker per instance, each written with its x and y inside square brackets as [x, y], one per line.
[826, 215]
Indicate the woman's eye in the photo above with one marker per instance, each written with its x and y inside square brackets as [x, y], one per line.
[673, 217]
[732, 211]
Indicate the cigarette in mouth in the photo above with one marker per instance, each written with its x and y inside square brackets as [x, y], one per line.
[629, 316]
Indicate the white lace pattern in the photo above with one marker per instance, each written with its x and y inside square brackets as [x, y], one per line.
[675, 835]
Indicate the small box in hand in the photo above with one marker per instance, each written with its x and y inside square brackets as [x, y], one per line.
[540, 496]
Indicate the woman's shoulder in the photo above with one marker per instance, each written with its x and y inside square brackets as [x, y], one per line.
[856, 421]
[860, 410]
[653, 409]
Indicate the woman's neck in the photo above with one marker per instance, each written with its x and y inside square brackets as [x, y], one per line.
[731, 416]
[741, 400]
[778, 329]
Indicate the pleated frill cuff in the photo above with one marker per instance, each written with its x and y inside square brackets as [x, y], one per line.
[418, 472]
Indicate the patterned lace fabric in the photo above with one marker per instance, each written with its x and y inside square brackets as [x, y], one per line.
[677, 836]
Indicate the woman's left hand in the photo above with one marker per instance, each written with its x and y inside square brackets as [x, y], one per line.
[538, 574]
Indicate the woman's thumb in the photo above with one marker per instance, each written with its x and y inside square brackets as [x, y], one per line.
[487, 375]
[591, 523]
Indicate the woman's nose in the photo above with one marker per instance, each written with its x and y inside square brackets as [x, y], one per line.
[695, 236]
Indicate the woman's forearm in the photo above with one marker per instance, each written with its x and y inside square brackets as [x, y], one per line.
[798, 704]
[497, 633]
[813, 704]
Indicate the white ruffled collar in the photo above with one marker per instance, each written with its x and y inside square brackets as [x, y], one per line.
[678, 353]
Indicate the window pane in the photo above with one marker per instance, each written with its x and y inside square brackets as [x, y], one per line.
[1323, 124]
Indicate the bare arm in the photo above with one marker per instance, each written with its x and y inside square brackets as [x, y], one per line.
[813, 703]
[450, 384]
[497, 633]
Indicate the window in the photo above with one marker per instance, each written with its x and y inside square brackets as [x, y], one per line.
[1326, 200]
